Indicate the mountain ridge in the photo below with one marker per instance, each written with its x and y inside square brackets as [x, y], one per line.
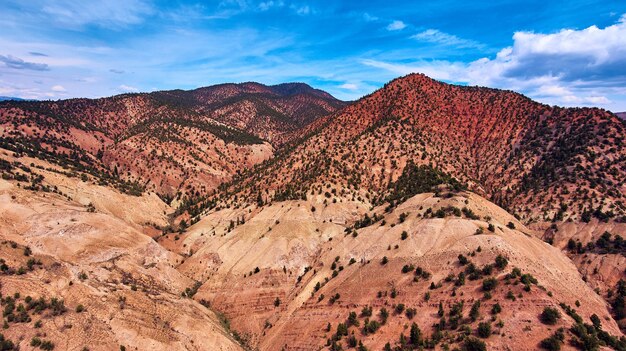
[231, 126]
[488, 128]
[236, 217]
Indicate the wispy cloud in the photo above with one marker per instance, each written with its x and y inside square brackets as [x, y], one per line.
[396, 25]
[18, 63]
[349, 86]
[127, 88]
[106, 13]
[438, 37]
[369, 18]
[100, 48]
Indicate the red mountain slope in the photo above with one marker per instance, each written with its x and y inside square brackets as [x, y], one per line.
[169, 141]
[536, 160]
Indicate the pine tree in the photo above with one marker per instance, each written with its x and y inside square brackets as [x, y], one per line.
[415, 336]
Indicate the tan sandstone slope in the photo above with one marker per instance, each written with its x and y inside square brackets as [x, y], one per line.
[126, 285]
[285, 238]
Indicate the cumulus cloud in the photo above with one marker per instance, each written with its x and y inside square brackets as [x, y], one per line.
[396, 25]
[569, 67]
[266, 5]
[18, 63]
[438, 37]
[588, 54]
[58, 88]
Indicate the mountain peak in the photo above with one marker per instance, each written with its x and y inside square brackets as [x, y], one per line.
[503, 144]
[290, 89]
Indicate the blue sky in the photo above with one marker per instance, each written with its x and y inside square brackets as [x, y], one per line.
[570, 53]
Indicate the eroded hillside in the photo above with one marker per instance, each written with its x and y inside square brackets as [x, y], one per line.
[171, 142]
[373, 228]
[540, 162]
[79, 270]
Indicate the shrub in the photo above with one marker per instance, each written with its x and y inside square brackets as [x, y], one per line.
[550, 316]
[553, 343]
[484, 329]
[496, 309]
[6, 344]
[384, 314]
[473, 344]
[366, 311]
[511, 225]
[342, 330]
[47, 345]
[404, 235]
[475, 311]
[352, 320]
[489, 284]
[35, 342]
[384, 261]
[528, 279]
[57, 306]
[352, 342]
[463, 260]
[501, 262]
[370, 326]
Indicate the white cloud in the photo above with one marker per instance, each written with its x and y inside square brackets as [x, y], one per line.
[349, 86]
[438, 37]
[106, 13]
[266, 5]
[302, 10]
[369, 18]
[58, 88]
[396, 25]
[569, 67]
[128, 88]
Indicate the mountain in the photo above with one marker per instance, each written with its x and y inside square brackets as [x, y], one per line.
[540, 162]
[621, 115]
[423, 216]
[87, 264]
[10, 98]
[171, 142]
